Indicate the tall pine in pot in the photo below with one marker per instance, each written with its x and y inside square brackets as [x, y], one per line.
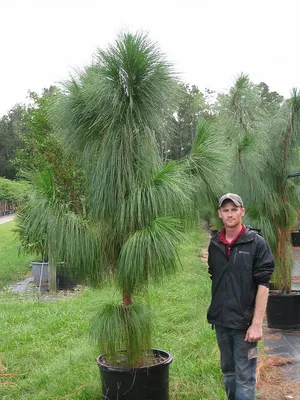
[110, 114]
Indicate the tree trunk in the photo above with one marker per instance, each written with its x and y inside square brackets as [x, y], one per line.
[127, 300]
[51, 274]
[285, 259]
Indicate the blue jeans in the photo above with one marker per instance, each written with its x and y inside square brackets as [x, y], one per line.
[238, 363]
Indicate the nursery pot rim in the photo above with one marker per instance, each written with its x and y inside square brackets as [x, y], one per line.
[105, 366]
[279, 293]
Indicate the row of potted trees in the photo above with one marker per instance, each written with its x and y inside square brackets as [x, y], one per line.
[7, 208]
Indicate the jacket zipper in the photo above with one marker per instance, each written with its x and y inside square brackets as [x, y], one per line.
[235, 253]
[227, 278]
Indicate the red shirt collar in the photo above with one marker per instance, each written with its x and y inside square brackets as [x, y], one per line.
[222, 237]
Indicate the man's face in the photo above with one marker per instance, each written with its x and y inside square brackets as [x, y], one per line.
[230, 214]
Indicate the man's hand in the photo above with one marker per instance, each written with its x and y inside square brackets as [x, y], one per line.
[254, 333]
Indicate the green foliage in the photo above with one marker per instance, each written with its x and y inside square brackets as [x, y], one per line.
[149, 253]
[208, 167]
[264, 136]
[167, 191]
[42, 150]
[191, 108]
[128, 327]
[271, 100]
[11, 133]
[13, 266]
[40, 147]
[12, 191]
[56, 183]
[110, 114]
[46, 222]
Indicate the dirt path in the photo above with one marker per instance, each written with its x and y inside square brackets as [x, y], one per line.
[6, 218]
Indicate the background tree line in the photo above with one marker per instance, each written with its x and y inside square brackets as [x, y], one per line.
[27, 140]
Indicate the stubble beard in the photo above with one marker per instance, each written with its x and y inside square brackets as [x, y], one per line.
[232, 224]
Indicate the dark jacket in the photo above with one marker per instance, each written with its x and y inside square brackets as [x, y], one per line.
[235, 281]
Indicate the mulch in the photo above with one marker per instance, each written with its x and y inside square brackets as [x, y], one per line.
[273, 382]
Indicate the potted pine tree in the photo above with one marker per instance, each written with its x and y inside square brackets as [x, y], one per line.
[265, 139]
[283, 309]
[111, 115]
[40, 217]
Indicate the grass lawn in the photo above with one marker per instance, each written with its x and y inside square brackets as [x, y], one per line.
[13, 266]
[46, 354]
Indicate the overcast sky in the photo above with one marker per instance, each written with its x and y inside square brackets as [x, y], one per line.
[209, 42]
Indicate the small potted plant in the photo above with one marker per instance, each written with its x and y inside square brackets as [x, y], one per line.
[36, 226]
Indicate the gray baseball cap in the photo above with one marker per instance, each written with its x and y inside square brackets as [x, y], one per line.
[233, 197]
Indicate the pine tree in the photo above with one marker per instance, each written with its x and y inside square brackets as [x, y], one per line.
[264, 145]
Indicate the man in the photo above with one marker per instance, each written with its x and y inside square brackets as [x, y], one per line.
[240, 264]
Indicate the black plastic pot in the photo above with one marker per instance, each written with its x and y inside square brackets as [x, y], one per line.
[65, 279]
[295, 238]
[142, 383]
[283, 310]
